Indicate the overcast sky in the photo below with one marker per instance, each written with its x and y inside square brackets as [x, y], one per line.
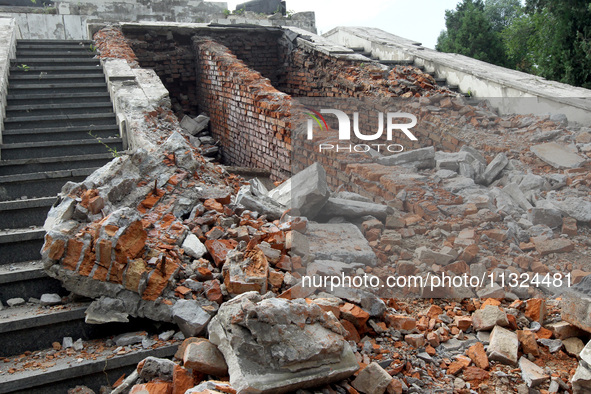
[419, 20]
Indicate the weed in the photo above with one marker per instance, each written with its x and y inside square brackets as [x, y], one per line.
[113, 151]
[23, 67]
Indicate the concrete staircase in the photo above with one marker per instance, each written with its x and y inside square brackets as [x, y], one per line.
[57, 98]
[57, 95]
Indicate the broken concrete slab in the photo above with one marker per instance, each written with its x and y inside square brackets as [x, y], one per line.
[557, 155]
[417, 155]
[191, 318]
[351, 209]
[493, 169]
[306, 192]
[196, 125]
[503, 346]
[487, 318]
[575, 207]
[532, 375]
[372, 380]
[343, 242]
[274, 345]
[193, 246]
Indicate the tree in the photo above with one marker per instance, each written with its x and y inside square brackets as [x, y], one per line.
[502, 13]
[470, 32]
[553, 39]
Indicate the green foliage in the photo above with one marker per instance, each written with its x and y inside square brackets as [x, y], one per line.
[23, 67]
[290, 13]
[113, 151]
[227, 12]
[549, 38]
[471, 33]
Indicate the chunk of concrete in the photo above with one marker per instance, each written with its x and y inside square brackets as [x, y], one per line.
[307, 191]
[532, 375]
[493, 169]
[274, 345]
[546, 216]
[50, 299]
[196, 125]
[417, 155]
[487, 318]
[193, 246]
[203, 356]
[190, 317]
[503, 346]
[557, 155]
[575, 207]
[351, 209]
[372, 380]
[342, 242]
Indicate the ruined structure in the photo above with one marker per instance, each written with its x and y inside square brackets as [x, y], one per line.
[243, 272]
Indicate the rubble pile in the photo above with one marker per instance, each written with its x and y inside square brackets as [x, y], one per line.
[173, 237]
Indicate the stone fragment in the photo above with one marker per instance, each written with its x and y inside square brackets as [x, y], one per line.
[581, 380]
[12, 302]
[193, 246]
[353, 209]
[417, 155]
[427, 255]
[553, 345]
[343, 242]
[190, 317]
[196, 125]
[156, 368]
[275, 345]
[531, 374]
[503, 346]
[415, 340]
[557, 245]
[546, 216]
[372, 380]
[487, 318]
[493, 169]
[106, 310]
[557, 155]
[130, 338]
[307, 191]
[573, 346]
[576, 208]
[50, 299]
[204, 357]
[564, 330]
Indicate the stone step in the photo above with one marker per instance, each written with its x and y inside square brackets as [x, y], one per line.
[56, 70]
[32, 121]
[25, 79]
[31, 327]
[20, 245]
[66, 133]
[25, 280]
[58, 109]
[39, 184]
[25, 213]
[50, 88]
[28, 97]
[23, 62]
[31, 150]
[55, 53]
[47, 43]
[58, 46]
[103, 369]
[27, 166]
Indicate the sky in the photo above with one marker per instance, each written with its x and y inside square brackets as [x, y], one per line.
[418, 20]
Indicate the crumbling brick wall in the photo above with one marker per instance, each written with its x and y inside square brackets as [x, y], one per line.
[171, 58]
[247, 114]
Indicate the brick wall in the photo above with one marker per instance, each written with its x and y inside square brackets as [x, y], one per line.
[248, 115]
[174, 62]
